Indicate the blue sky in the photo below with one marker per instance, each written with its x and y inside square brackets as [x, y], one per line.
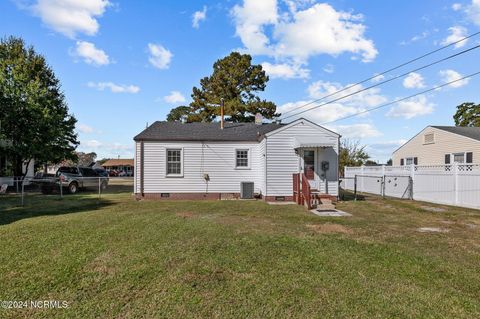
[123, 64]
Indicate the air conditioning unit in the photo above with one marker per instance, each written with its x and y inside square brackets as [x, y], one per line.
[246, 190]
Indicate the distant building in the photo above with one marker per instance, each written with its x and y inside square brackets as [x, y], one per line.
[119, 165]
[440, 145]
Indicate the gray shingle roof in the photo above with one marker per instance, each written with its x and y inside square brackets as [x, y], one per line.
[177, 131]
[471, 132]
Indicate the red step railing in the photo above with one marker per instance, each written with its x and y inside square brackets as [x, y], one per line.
[301, 190]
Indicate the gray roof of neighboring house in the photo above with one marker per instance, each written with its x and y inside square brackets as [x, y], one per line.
[471, 132]
[177, 131]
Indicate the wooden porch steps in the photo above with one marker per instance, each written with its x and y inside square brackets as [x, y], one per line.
[312, 198]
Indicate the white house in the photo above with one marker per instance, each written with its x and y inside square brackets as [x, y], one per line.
[436, 145]
[175, 160]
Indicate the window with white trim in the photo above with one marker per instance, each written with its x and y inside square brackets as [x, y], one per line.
[174, 162]
[242, 158]
[409, 161]
[459, 158]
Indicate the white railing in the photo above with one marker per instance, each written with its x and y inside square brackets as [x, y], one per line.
[454, 184]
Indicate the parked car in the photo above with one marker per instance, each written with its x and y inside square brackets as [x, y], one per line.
[72, 178]
[101, 172]
[112, 173]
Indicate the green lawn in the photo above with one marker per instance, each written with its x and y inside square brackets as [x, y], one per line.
[121, 258]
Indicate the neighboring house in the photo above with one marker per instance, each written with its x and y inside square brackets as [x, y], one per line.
[203, 161]
[6, 170]
[440, 145]
[120, 165]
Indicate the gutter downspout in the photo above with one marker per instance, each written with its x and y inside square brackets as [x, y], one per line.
[142, 161]
[338, 168]
[266, 166]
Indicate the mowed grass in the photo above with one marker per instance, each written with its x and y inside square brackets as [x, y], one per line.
[120, 258]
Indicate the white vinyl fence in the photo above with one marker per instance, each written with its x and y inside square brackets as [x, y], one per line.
[455, 184]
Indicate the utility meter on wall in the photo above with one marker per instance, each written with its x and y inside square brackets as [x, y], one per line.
[325, 166]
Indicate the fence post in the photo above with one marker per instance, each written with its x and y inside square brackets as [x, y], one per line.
[61, 187]
[412, 180]
[455, 185]
[355, 187]
[383, 185]
[99, 188]
[363, 179]
[23, 192]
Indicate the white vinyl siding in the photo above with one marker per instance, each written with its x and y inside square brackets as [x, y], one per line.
[216, 159]
[271, 163]
[137, 171]
[434, 153]
[283, 162]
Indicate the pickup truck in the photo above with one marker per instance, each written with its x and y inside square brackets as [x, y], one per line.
[72, 178]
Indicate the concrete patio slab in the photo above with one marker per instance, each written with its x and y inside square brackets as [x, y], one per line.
[330, 213]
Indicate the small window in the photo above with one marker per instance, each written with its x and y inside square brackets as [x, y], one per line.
[241, 159]
[409, 161]
[429, 138]
[459, 158]
[174, 162]
[469, 156]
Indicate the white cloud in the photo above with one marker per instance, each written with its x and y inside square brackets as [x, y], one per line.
[106, 150]
[361, 130]
[329, 68]
[378, 78]
[368, 98]
[71, 16]
[382, 151]
[174, 97]
[456, 33]
[114, 88]
[414, 81]
[298, 34]
[285, 71]
[250, 20]
[90, 54]
[456, 6]
[160, 57]
[83, 128]
[473, 11]
[91, 144]
[199, 16]
[331, 112]
[411, 108]
[452, 75]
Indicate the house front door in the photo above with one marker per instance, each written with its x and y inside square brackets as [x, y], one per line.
[309, 164]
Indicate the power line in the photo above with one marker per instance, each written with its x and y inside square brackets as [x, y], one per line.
[385, 72]
[386, 81]
[403, 99]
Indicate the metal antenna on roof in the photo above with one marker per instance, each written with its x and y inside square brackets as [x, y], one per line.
[146, 125]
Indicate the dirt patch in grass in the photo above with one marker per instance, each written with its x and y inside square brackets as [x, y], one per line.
[186, 214]
[433, 209]
[101, 264]
[330, 228]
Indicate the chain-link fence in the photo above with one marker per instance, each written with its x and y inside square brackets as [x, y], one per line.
[48, 189]
[399, 186]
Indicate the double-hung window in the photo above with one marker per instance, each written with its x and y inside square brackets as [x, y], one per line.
[459, 158]
[174, 162]
[242, 160]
